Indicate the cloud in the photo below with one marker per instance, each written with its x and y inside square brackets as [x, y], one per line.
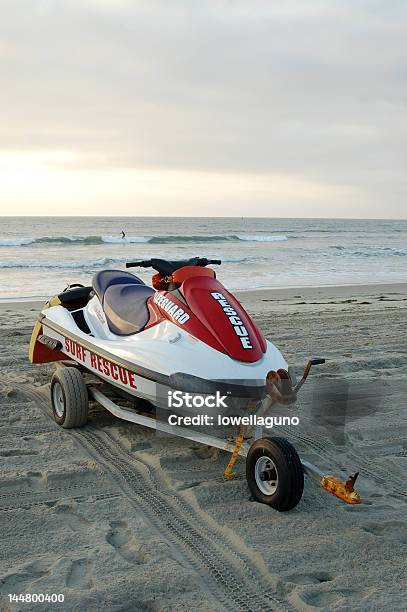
[314, 91]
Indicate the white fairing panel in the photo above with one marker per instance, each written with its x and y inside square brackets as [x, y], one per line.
[95, 318]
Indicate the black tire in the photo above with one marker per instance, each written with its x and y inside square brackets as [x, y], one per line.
[69, 398]
[284, 484]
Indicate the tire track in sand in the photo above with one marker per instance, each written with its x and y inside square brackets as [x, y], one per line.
[233, 577]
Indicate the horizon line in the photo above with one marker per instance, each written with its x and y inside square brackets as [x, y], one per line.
[202, 217]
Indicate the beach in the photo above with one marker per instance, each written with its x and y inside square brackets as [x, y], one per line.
[117, 517]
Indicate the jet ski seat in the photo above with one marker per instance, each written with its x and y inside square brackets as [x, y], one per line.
[104, 279]
[124, 300]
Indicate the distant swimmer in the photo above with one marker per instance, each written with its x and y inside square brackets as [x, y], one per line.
[123, 235]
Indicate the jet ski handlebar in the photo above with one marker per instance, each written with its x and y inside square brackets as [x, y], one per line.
[168, 267]
[138, 264]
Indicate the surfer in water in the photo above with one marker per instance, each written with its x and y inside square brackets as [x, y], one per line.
[123, 235]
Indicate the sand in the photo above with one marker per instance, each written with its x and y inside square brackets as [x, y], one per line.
[116, 517]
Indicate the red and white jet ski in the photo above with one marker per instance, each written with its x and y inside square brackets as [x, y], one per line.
[187, 334]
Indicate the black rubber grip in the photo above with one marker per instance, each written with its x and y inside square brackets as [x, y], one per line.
[138, 264]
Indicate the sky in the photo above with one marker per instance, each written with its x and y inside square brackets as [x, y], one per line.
[185, 107]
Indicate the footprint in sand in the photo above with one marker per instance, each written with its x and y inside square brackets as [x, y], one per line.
[71, 517]
[189, 485]
[326, 597]
[122, 539]
[17, 452]
[37, 480]
[80, 574]
[33, 443]
[365, 506]
[394, 530]
[310, 578]
[322, 599]
[139, 446]
[24, 577]
[329, 600]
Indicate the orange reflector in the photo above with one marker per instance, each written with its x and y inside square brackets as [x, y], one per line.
[340, 489]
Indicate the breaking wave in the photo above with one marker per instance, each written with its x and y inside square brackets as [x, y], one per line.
[63, 265]
[66, 240]
[256, 238]
[97, 263]
[15, 242]
[370, 251]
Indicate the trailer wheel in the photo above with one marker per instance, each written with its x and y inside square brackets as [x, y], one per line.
[274, 473]
[69, 398]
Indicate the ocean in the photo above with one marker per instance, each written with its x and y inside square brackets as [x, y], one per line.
[39, 256]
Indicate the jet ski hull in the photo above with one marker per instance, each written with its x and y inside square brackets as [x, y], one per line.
[128, 364]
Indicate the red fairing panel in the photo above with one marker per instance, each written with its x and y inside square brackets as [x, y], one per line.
[225, 318]
[214, 316]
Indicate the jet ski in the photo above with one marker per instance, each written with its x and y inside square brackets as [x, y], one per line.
[186, 333]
